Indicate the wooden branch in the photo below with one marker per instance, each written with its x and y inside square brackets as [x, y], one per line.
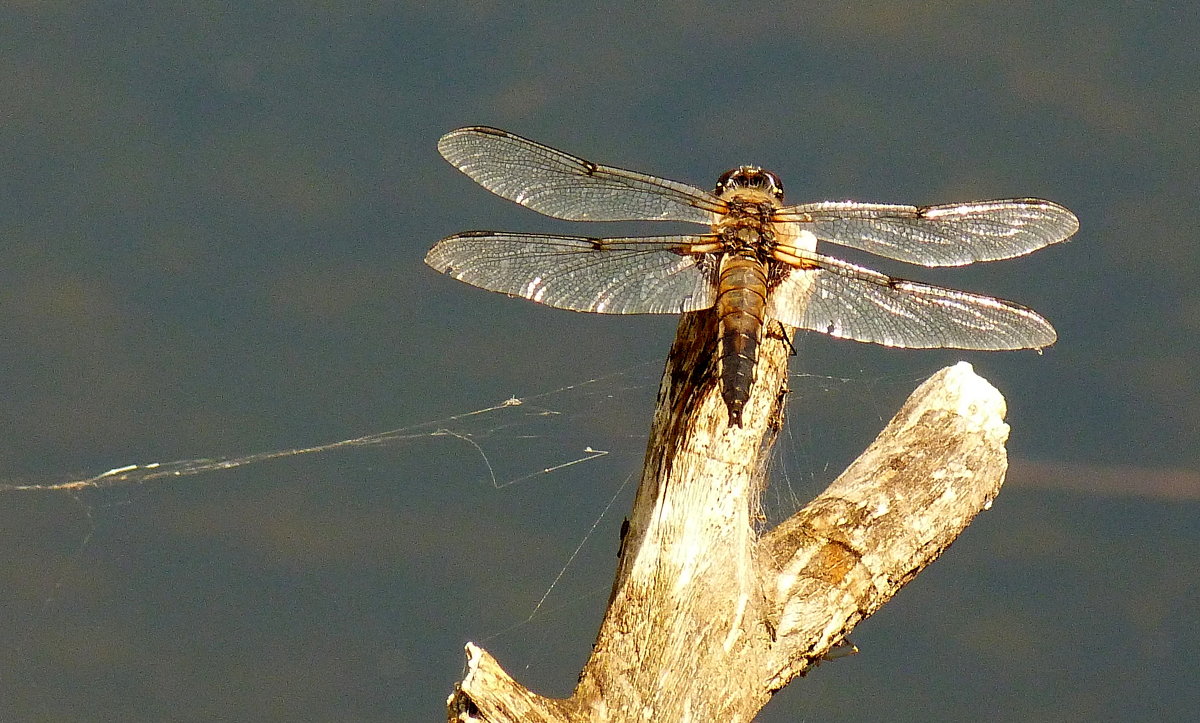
[708, 619]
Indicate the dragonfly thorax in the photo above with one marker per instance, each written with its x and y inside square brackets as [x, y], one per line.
[750, 178]
[747, 227]
[746, 237]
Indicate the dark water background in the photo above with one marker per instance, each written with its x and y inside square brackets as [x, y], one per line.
[212, 219]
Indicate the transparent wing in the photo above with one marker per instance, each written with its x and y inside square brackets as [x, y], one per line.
[948, 235]
[853, 302]
[650, 275]
[560, 185]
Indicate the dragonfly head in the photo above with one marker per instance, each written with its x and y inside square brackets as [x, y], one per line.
[752, 178]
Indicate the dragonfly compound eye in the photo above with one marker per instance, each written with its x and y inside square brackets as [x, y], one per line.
[750, 177]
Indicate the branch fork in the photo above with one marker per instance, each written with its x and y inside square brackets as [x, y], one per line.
[709, 616]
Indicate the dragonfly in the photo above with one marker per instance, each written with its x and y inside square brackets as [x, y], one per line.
[756, 259]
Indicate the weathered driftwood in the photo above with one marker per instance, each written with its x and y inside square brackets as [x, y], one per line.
[708, 617]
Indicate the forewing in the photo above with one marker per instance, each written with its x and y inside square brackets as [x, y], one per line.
[853, 302]
[947, 235]
[560, 185]
[650, 275]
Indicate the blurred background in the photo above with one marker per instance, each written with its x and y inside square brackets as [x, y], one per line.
[213, 217]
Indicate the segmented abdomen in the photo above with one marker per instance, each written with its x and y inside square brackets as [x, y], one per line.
[741, 305]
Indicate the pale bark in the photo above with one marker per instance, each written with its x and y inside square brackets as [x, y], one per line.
[709, 617]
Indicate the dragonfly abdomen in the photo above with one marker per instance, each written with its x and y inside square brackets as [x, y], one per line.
[741, 305]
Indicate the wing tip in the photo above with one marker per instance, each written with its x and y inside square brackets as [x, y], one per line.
[448, 146]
